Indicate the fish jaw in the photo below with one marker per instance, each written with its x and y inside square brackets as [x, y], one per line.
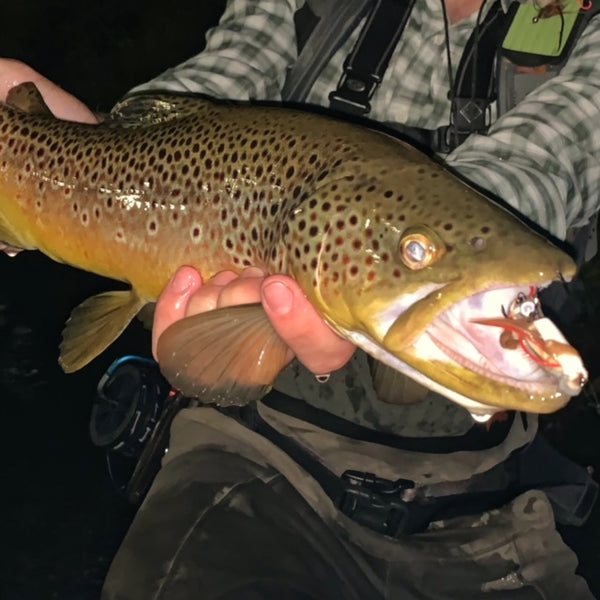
[462, 358]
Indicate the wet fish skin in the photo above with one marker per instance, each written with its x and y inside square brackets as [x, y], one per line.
[221, 186]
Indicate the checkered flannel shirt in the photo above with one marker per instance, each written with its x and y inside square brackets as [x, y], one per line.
[542, 157]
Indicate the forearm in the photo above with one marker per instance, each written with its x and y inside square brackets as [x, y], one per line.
[543, 157]
[246, 55]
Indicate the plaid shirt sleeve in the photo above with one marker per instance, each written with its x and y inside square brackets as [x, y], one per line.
[246, 56]
[543, 156]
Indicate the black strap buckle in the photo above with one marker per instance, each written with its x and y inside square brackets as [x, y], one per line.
[376, 503]
[365, 66]
[469, 115]
[354, 92]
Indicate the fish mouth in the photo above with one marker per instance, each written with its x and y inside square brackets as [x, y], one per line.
[496, 348]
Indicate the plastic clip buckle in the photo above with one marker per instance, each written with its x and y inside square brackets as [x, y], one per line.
[354, 92]
[375, 502]
[469, 115]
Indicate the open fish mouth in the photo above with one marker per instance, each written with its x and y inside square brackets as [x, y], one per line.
[502, 336]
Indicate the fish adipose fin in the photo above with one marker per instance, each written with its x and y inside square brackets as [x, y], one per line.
[94, 325]
[394, 387]
[27, 97]
[228, 356]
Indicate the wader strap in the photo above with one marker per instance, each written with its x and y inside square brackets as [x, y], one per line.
[382, 505]
[329, 34]
[366, 64]
[400, 507]
[474, 88]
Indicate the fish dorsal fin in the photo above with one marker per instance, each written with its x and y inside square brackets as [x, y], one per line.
[151, 108]
[27, 97]
[94, 325]
[394, 387]
[228, 356]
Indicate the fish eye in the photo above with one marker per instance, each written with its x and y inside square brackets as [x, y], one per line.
[420, 247]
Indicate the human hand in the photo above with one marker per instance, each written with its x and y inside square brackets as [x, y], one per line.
[61, 103]
[298, 324]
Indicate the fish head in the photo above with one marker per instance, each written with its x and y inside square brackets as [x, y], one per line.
[417, 268]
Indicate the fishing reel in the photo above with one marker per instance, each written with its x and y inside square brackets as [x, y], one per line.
[130, 419]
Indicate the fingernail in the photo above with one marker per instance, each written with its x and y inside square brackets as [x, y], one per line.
[253, 272]
[278, 298]
[182, 281]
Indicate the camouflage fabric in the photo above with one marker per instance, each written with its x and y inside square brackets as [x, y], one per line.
[222, 520]
[349, 394]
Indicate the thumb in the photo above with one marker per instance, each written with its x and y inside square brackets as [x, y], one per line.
[316, 345]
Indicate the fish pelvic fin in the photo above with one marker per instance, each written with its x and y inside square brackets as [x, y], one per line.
[27, 97]
[395, 387]
[146, 315]
[228, 356]
[94, 325]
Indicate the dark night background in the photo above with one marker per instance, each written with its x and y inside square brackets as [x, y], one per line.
[61, 518]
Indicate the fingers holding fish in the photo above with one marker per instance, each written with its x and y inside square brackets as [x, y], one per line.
[301, 326]
[62, 104]
[230, 289]
[186, 295]
[214, 340]
[294, 318]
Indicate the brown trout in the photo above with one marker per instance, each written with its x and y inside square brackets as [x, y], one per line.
[422, 272]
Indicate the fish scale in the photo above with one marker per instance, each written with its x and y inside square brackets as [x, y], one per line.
[169, 180]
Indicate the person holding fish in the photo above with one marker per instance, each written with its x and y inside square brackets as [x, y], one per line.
[351, 480]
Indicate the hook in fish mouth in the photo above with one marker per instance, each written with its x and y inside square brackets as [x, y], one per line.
[543, 342]
[529, 352]
[491, 351]
[525, 326]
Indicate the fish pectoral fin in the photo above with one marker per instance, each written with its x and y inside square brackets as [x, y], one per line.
[227, 356]
[94, 325]
[27, 97]
[395, 387]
